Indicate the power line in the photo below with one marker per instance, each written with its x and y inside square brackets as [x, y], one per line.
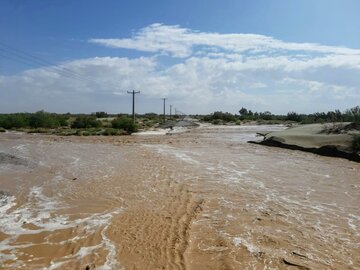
[34, 61]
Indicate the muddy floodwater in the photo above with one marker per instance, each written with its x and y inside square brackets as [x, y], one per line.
[203, 199]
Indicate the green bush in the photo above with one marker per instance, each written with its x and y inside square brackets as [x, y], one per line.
[225, 117]
[85, 133]
[124, 123]
[353, 114]
[38, 130]
[356, 143]
[293, 116]
[66, 132]
[17, 120]
[111, 132]
[43, 119]
[2, 129]
[39, 119]
[86, 122]
[216, 122]
[101, 115]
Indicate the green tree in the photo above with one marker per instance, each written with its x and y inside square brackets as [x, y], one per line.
[243, 111]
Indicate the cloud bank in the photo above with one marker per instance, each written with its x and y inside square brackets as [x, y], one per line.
[198, 72]
[180, 42]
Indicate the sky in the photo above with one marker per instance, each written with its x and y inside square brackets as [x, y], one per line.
[203, 56]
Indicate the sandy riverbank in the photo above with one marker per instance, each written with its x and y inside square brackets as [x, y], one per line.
[324, 139]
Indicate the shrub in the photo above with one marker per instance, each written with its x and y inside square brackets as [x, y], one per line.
[152, 116]
[101, 115]
[356, 143]
[225, 117]
[2, 129]
[353, 114]
[266, 115]
[38, 130]
[17, 120]
[39, 119]
[111, 132]
[86, 122]
[293, 116]
[124, 123]
[43, 119]
[216, 122]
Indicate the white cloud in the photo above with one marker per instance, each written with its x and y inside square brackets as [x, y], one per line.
[211, 71]
[179, 42]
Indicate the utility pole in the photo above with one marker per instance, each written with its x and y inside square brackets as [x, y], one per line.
[133, 102]
[170, 110]
[164, 108]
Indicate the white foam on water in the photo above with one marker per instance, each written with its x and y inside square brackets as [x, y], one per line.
[82, 252]
[54, 265]
[152, 132]
[75, 161]
[39, 210]
[6, 203]
[351, 222]
[20, 147]
[6, 257]
[10, 167]
[111, 261]
[239, 241]
[172, 151]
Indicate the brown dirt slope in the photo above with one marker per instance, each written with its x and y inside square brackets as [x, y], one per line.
[333, 139]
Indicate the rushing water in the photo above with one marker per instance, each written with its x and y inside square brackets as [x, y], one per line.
[204, 199]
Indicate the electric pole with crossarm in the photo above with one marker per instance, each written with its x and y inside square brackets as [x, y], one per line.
[133, 102]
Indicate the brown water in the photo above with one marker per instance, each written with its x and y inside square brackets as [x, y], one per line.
[205, 199]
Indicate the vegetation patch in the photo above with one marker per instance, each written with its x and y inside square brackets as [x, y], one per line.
[124, 123]
[85, 121]
[112, 132]
[356, 143]
[245, 115]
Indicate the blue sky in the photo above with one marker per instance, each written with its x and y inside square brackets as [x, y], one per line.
[202, 55]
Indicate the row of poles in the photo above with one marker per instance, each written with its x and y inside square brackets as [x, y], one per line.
[133, 92]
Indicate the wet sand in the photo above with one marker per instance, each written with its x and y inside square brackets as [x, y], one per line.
[334, 140]
[204, 199]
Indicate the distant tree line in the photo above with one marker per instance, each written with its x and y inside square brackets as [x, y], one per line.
[349, 115]
[45, 120]
[101, 124]
[39, 119]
